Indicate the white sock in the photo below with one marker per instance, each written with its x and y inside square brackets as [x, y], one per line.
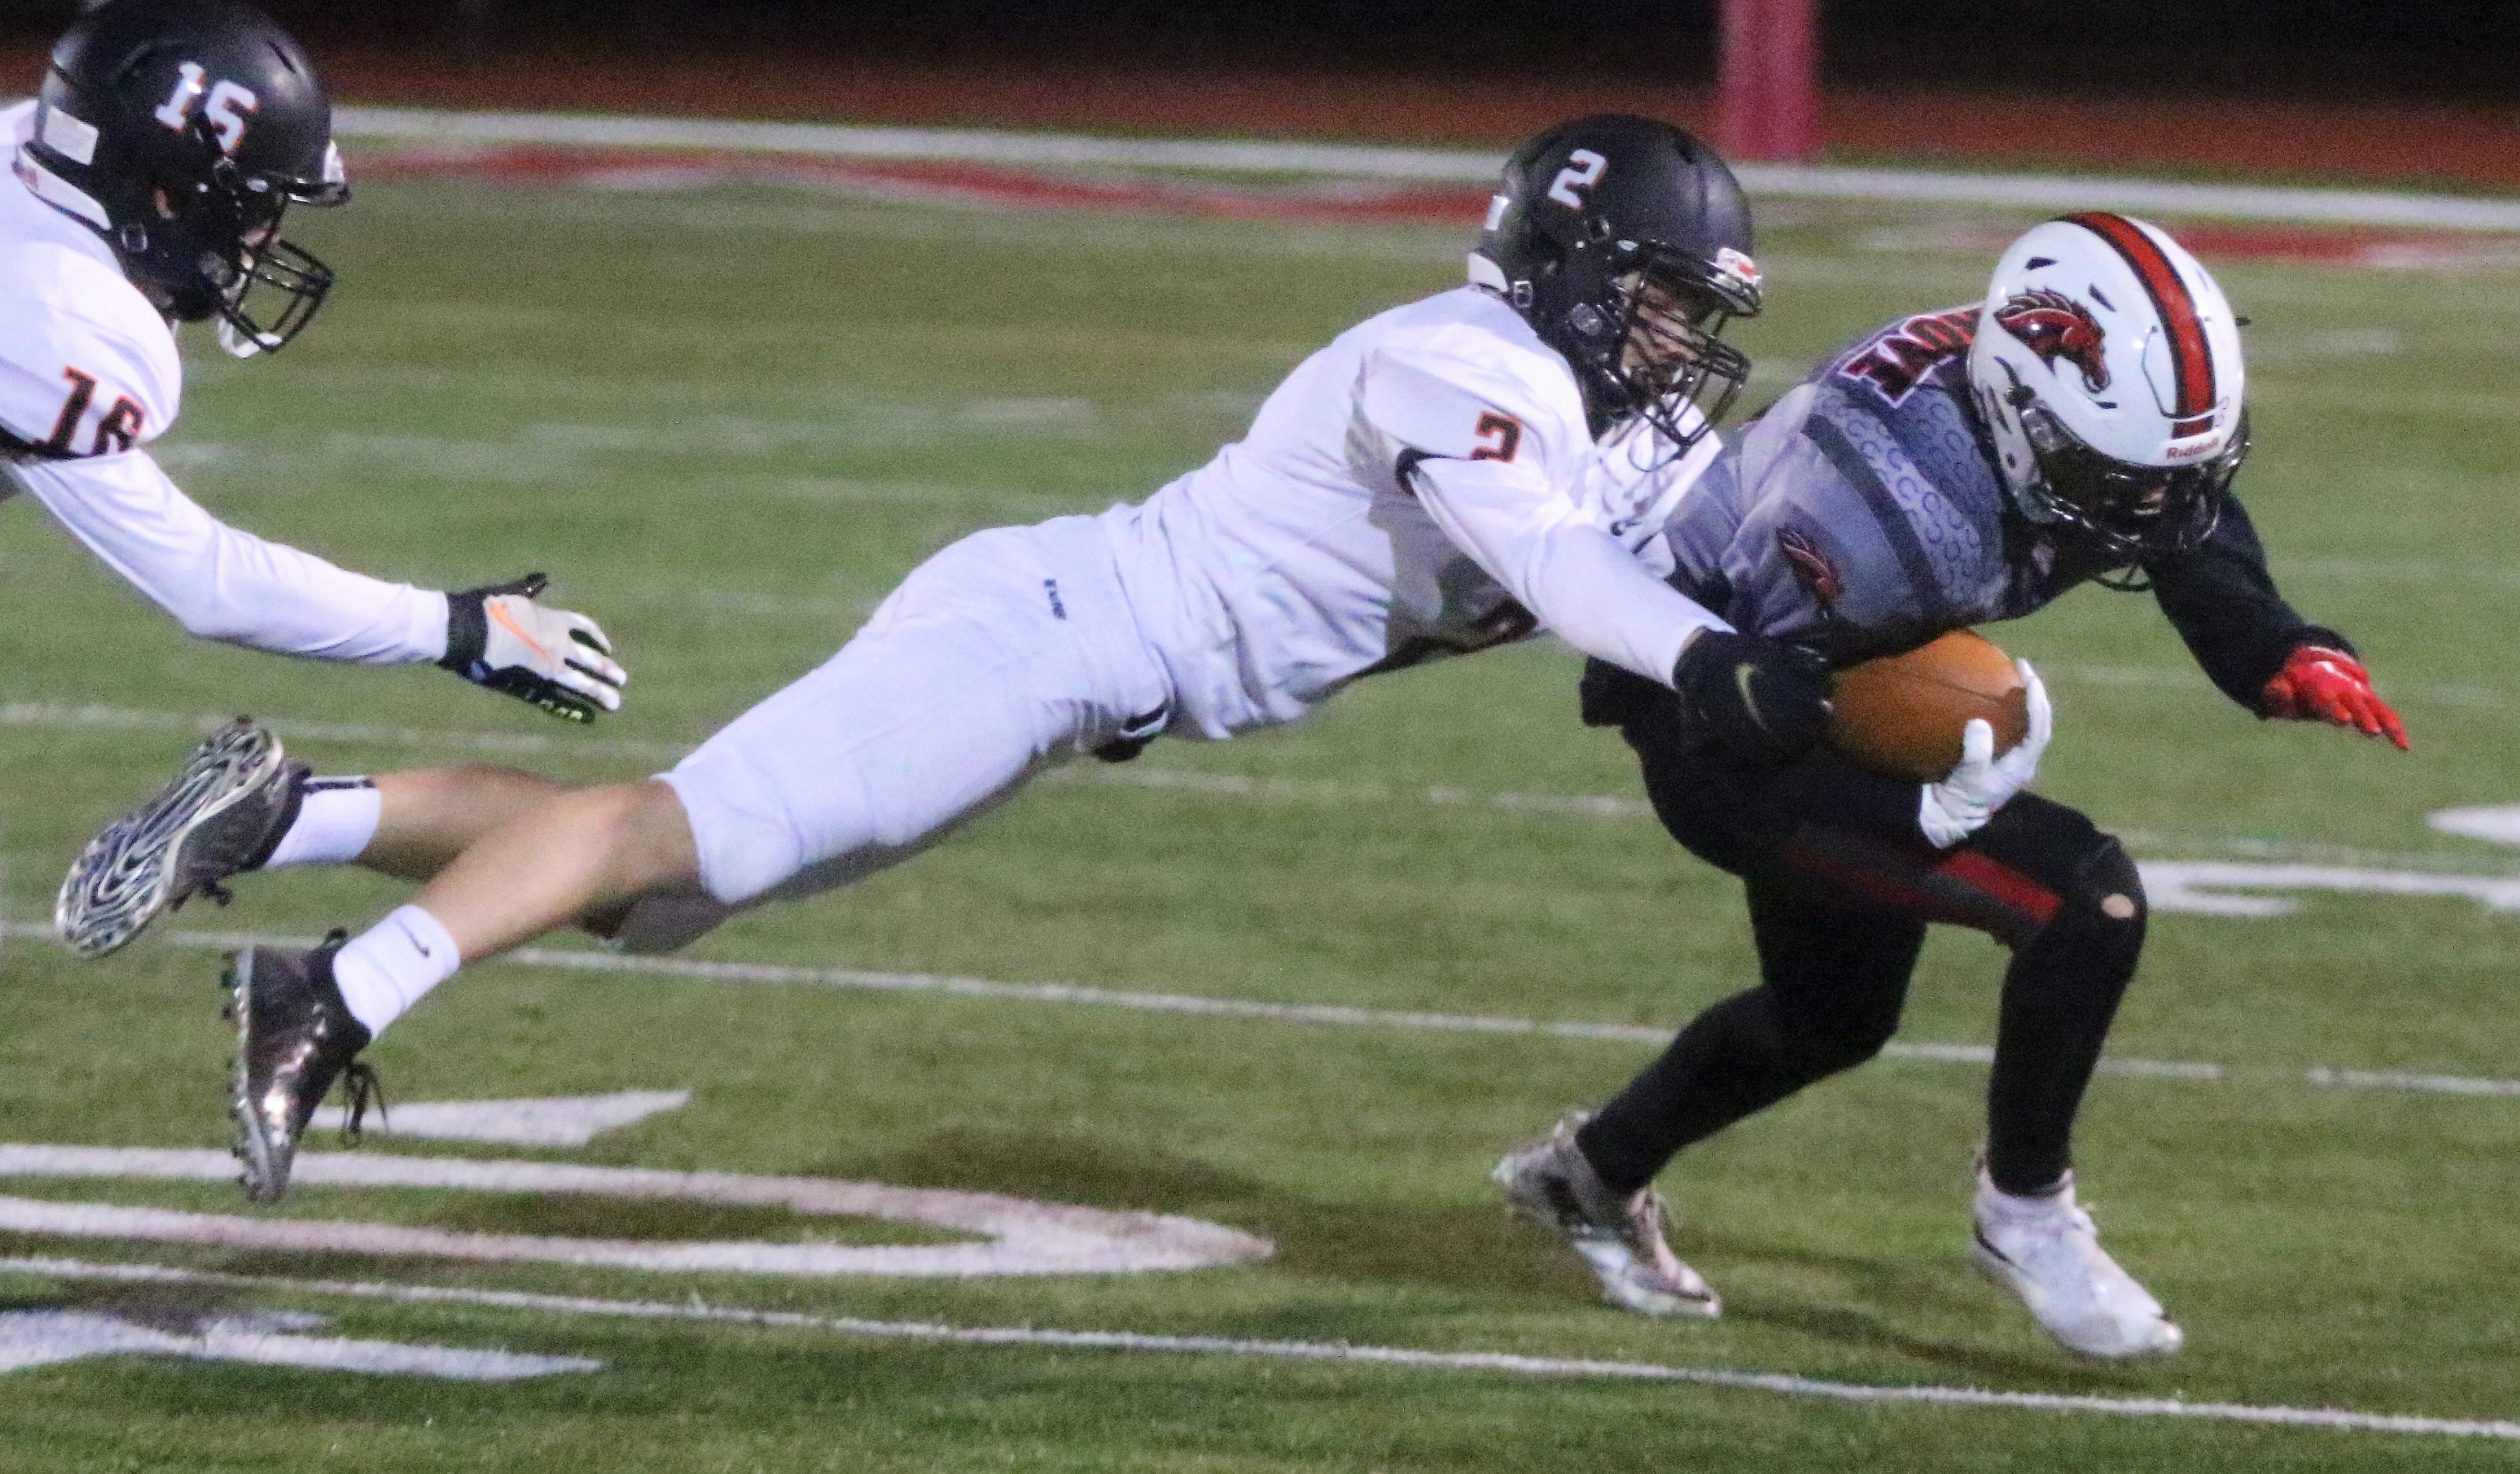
[337, 818]
[387, 968]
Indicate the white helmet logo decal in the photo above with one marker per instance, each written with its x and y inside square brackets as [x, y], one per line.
[229, 103]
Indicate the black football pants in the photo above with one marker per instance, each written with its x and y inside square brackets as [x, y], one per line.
[1841, 887]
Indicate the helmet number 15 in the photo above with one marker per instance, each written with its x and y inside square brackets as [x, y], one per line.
[226, 108]
[1583, 168]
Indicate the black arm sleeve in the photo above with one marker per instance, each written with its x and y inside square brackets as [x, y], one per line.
[2224, 603]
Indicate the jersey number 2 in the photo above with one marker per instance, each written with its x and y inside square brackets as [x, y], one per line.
[1499, 436]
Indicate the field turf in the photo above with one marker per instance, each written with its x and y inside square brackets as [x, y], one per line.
[728, 422]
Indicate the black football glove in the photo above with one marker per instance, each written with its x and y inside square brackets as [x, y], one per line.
[1614, 695]
[1753, 698]
[559, 662]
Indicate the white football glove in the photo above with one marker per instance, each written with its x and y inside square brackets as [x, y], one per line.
[1960, 805]
[560, 662]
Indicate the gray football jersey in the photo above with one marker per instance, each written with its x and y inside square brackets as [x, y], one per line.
[1860, 514]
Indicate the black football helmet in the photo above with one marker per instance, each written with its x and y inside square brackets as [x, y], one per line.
[181, 131]
[1625, 243]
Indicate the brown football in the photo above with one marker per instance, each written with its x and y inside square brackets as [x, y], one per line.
[1903, 715]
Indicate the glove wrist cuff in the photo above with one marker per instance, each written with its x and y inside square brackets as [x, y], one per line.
[467, 632]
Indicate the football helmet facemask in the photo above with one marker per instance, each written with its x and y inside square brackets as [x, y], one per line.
[2107, 366]
[181, 131]
[1625, 244]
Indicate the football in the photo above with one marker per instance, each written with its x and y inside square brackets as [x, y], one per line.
[1903, 715]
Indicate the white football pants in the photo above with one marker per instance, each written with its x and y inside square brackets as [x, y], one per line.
[1011, 650]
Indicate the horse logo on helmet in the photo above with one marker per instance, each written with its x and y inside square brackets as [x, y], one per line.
[2054, 326]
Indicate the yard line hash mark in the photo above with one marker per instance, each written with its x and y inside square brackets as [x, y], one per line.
[1335, 1015]
[1504, 1364]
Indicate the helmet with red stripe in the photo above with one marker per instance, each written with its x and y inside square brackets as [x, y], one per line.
[2107, 365]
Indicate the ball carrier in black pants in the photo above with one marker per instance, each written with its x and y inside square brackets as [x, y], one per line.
[1949, 469]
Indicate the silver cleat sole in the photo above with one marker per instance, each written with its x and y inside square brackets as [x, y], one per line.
[122, 880]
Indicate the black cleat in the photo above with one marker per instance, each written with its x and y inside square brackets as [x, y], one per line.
[223, 815]
[295, 1036]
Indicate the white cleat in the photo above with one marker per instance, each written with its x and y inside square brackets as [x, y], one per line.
[2045, 1250]
[1550, 1183]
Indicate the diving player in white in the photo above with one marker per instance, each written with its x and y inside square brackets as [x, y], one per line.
[146, 188]
[1447, 476]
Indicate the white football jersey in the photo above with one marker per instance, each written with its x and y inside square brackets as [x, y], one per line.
[87, 366]
[1425, 485]
[89, 375]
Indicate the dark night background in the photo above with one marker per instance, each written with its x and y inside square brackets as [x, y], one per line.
[2431, 49]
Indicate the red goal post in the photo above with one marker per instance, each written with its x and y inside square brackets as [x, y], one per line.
[1767, 106]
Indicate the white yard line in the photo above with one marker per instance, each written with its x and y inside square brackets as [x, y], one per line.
[1508, 1363]
[1335, 1015]
[1016, 1235]
[2044, 192]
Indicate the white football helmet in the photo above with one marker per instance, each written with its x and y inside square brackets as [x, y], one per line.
[2108, 364]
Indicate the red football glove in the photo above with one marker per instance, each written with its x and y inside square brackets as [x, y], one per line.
[2322, 684]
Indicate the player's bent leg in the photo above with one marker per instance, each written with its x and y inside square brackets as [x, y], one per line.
[238, 804]
[1005, 653]
[1833, 986]
[582, 850]
[302, 1017]
[427, 816]
[2062, 989]
[2083, 903]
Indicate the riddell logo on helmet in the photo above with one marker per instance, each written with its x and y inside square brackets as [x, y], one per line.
[1735, 267]
[2054, 326]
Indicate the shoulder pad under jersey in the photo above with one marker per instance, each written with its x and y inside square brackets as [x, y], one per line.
[1473, 386]
[87, 366]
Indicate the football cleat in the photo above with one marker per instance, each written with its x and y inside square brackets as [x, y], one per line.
[1550, 1183]
[222, 815]
[294, 1036]
[2046, 1251]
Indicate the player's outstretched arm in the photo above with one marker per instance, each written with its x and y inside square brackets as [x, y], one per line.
[224, 584]
[2223, 599]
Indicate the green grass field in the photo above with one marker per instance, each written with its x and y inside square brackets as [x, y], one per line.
[728, 422]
